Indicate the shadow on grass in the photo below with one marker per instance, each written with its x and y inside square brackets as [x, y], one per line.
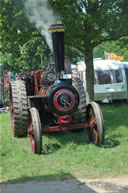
[62, 139]
[61, 176]
[51, 148]
[59, 183]
[47, 184]
[111, 143]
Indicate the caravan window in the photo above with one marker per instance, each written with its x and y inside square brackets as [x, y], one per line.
[126, 71]
[95, 77]
[118, 76]
[105, 77]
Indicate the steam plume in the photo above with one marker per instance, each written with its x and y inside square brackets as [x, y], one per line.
[40, 14]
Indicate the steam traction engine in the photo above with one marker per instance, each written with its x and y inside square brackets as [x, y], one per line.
[50, 100]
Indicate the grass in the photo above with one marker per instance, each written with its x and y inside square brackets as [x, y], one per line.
[68, 154]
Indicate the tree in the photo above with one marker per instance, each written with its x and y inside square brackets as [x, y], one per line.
[73, 54]
[21, 46]
[98, 51]
[88, 24]
[119, 47]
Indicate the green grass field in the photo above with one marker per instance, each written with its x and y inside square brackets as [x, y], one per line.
[68, 154]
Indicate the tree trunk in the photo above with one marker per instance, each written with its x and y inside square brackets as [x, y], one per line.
[89, 75]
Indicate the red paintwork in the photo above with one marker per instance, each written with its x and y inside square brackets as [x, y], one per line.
[38, 80]
[38, 76]
[7, 80]
[55, 100]
[43, 91]
[63, 119]
[36, 87]
[64, 127]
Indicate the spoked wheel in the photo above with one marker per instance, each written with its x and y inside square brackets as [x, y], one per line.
[35, 134]
[94, 117]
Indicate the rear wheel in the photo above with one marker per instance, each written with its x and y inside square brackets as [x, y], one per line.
[80, 115]
[18, 108]
[94, 117]
[35, 134]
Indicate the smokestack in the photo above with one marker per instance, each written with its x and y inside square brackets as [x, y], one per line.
[58, 46]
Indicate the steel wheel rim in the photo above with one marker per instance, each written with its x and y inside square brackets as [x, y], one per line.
[35, 131]
[31, 136]
[93, 126]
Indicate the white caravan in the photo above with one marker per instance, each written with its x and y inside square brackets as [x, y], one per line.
[110, 81]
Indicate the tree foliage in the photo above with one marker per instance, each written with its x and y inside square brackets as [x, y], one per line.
[21, 46]
[119, 47]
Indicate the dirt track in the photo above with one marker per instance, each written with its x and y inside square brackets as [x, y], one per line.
[108, 185]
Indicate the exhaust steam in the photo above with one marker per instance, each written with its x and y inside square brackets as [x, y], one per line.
[42, 16]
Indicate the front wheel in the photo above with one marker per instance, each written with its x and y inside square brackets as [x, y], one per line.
[94, 117]
[35, 134]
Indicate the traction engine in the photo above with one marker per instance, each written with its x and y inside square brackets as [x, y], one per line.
[50, 100]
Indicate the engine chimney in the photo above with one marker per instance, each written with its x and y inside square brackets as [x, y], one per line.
[58, 46]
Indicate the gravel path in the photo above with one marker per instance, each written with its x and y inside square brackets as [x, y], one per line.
[108, 185]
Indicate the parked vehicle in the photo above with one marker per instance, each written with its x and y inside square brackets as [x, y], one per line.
[110, 79]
